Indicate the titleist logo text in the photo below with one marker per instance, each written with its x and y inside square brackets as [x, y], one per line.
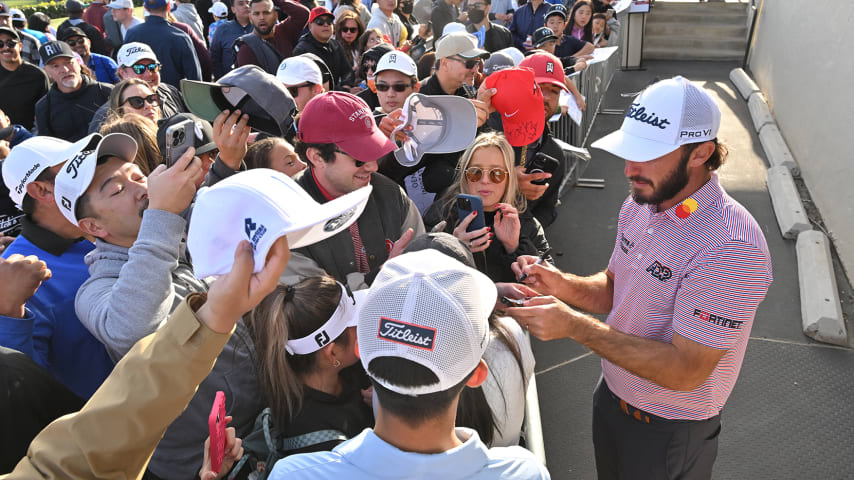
[636, 112]
[407, 334]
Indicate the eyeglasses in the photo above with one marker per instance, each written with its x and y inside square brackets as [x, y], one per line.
[359, 163]
[349, 29]
[469, 64]
[10, 43]
[496, 175]
[73, 43]
[139, 102]
[397, 87]
[140, 69]
[294, 91]
[324, 21]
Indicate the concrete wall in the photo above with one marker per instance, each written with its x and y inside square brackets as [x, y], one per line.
[802, 60]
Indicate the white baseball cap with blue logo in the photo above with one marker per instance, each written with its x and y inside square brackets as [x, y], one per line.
[665, 116]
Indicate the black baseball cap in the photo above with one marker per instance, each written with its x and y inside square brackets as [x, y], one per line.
[69, 32]
[11, 32]
[4, 10]
[51, 50]
[557, 9]
[73, 6]
[543, 35]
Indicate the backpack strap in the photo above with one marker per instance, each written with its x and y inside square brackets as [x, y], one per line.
[268, 57]
[311, 439]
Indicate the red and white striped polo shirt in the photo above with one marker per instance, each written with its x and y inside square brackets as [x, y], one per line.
[701, 273]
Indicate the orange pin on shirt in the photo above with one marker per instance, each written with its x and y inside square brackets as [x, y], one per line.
[688, 206]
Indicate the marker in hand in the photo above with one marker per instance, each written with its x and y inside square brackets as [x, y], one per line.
[539, 260]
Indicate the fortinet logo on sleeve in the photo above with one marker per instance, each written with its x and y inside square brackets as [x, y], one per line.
[718, 320]
[407, 334]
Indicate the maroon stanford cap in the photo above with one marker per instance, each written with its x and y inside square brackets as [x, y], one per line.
[345, 120]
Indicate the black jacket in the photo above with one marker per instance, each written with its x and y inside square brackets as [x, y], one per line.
[67, 115]
[498, 37]
[332, 54]
[495, 261]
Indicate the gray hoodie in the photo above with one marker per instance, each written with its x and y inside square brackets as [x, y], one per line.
[129, 294]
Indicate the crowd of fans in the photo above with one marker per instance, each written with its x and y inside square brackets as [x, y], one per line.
[320, 96]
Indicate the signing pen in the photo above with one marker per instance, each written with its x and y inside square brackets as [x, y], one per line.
[539, 260]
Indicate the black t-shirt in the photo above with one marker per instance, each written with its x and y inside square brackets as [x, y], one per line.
[568, 47]
[21, 90]
[497, 37]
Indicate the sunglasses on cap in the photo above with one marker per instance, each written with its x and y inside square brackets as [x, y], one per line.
[74, 43]
[139, 102]
[349, 29]
[294, 91]
[469, 64]
[10, 43]
[496, 175]
[140, 69]
[359, 163]
[324, 21]
[397, 87]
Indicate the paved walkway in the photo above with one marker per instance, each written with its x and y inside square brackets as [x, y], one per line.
[789, 415]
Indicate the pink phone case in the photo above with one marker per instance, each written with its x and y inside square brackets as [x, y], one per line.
[216, 424]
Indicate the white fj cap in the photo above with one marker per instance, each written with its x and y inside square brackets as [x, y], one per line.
[664, 117]
[130, 53]
[397, 61]
[261, 205]
[28, 160]
[74, 178]
[345, 315]
[218, 9]
[298, 70]
[431, 309]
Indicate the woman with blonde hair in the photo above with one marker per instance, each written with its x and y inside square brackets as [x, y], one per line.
[486, 170]
[133, 95]
[144, 131]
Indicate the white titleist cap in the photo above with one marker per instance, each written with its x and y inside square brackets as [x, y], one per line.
[130, 53]
[297, 70]
[218, 9]
[345, 315]
[397, 61]
[28, 160]
[664, 117]
[261, 205]
[431, 309]
[76, 175]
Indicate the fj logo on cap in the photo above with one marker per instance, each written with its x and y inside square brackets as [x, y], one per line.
[66, 203]
[249, 227]
[636, 112]
[75, 162]
[407, 334]
[335, 223]
[321, 338]
[550, 67]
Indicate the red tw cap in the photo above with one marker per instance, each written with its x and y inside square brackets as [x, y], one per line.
[519, 100]
[345, 120]
[319, 12]
[547, 69]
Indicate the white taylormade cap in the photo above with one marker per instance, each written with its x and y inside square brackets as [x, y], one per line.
[297, 70]
[664, 117]
[28, 160]
[130, 53]
[261, 205]
[397, 61]
[431, 309]
[345, 315]
[76, 175]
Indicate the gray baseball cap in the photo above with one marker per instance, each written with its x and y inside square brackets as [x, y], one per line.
[435, 124]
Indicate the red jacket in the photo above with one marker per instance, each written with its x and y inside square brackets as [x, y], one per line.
[94, 15]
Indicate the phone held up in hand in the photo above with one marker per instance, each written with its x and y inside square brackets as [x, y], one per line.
[179, 138]
[469, 203]
[542, 163]
[216, 425]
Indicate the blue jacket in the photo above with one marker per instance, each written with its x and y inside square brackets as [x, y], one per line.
[222, 55]
[525, 21]
[173, 48]
[51, 334]
[103, 67]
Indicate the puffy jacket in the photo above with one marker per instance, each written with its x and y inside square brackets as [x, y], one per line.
[67, 115]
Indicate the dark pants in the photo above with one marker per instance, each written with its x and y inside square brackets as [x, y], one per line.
[627, 447]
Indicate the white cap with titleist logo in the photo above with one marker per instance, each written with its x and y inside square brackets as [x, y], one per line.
[430, 309]
[28, 160]
[665, 116]
[130, 53]
[262, 205]
[74, 178]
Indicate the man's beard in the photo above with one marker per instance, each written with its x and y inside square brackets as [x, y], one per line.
[143, 208]
[266, 31]
[668, 188]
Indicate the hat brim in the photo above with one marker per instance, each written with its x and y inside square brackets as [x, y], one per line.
[332, 218]
[198, 98]
[633, 148]
[206, 148]
[368, 148]
[545, 41]
[474, 53]
[553, 81]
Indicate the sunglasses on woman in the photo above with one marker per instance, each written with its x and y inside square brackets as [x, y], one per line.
[349, 29]
[397, 87]
[496, 175]
[139, 102]
[140, 69]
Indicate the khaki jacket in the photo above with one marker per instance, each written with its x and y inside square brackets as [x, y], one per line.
[116, 432]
